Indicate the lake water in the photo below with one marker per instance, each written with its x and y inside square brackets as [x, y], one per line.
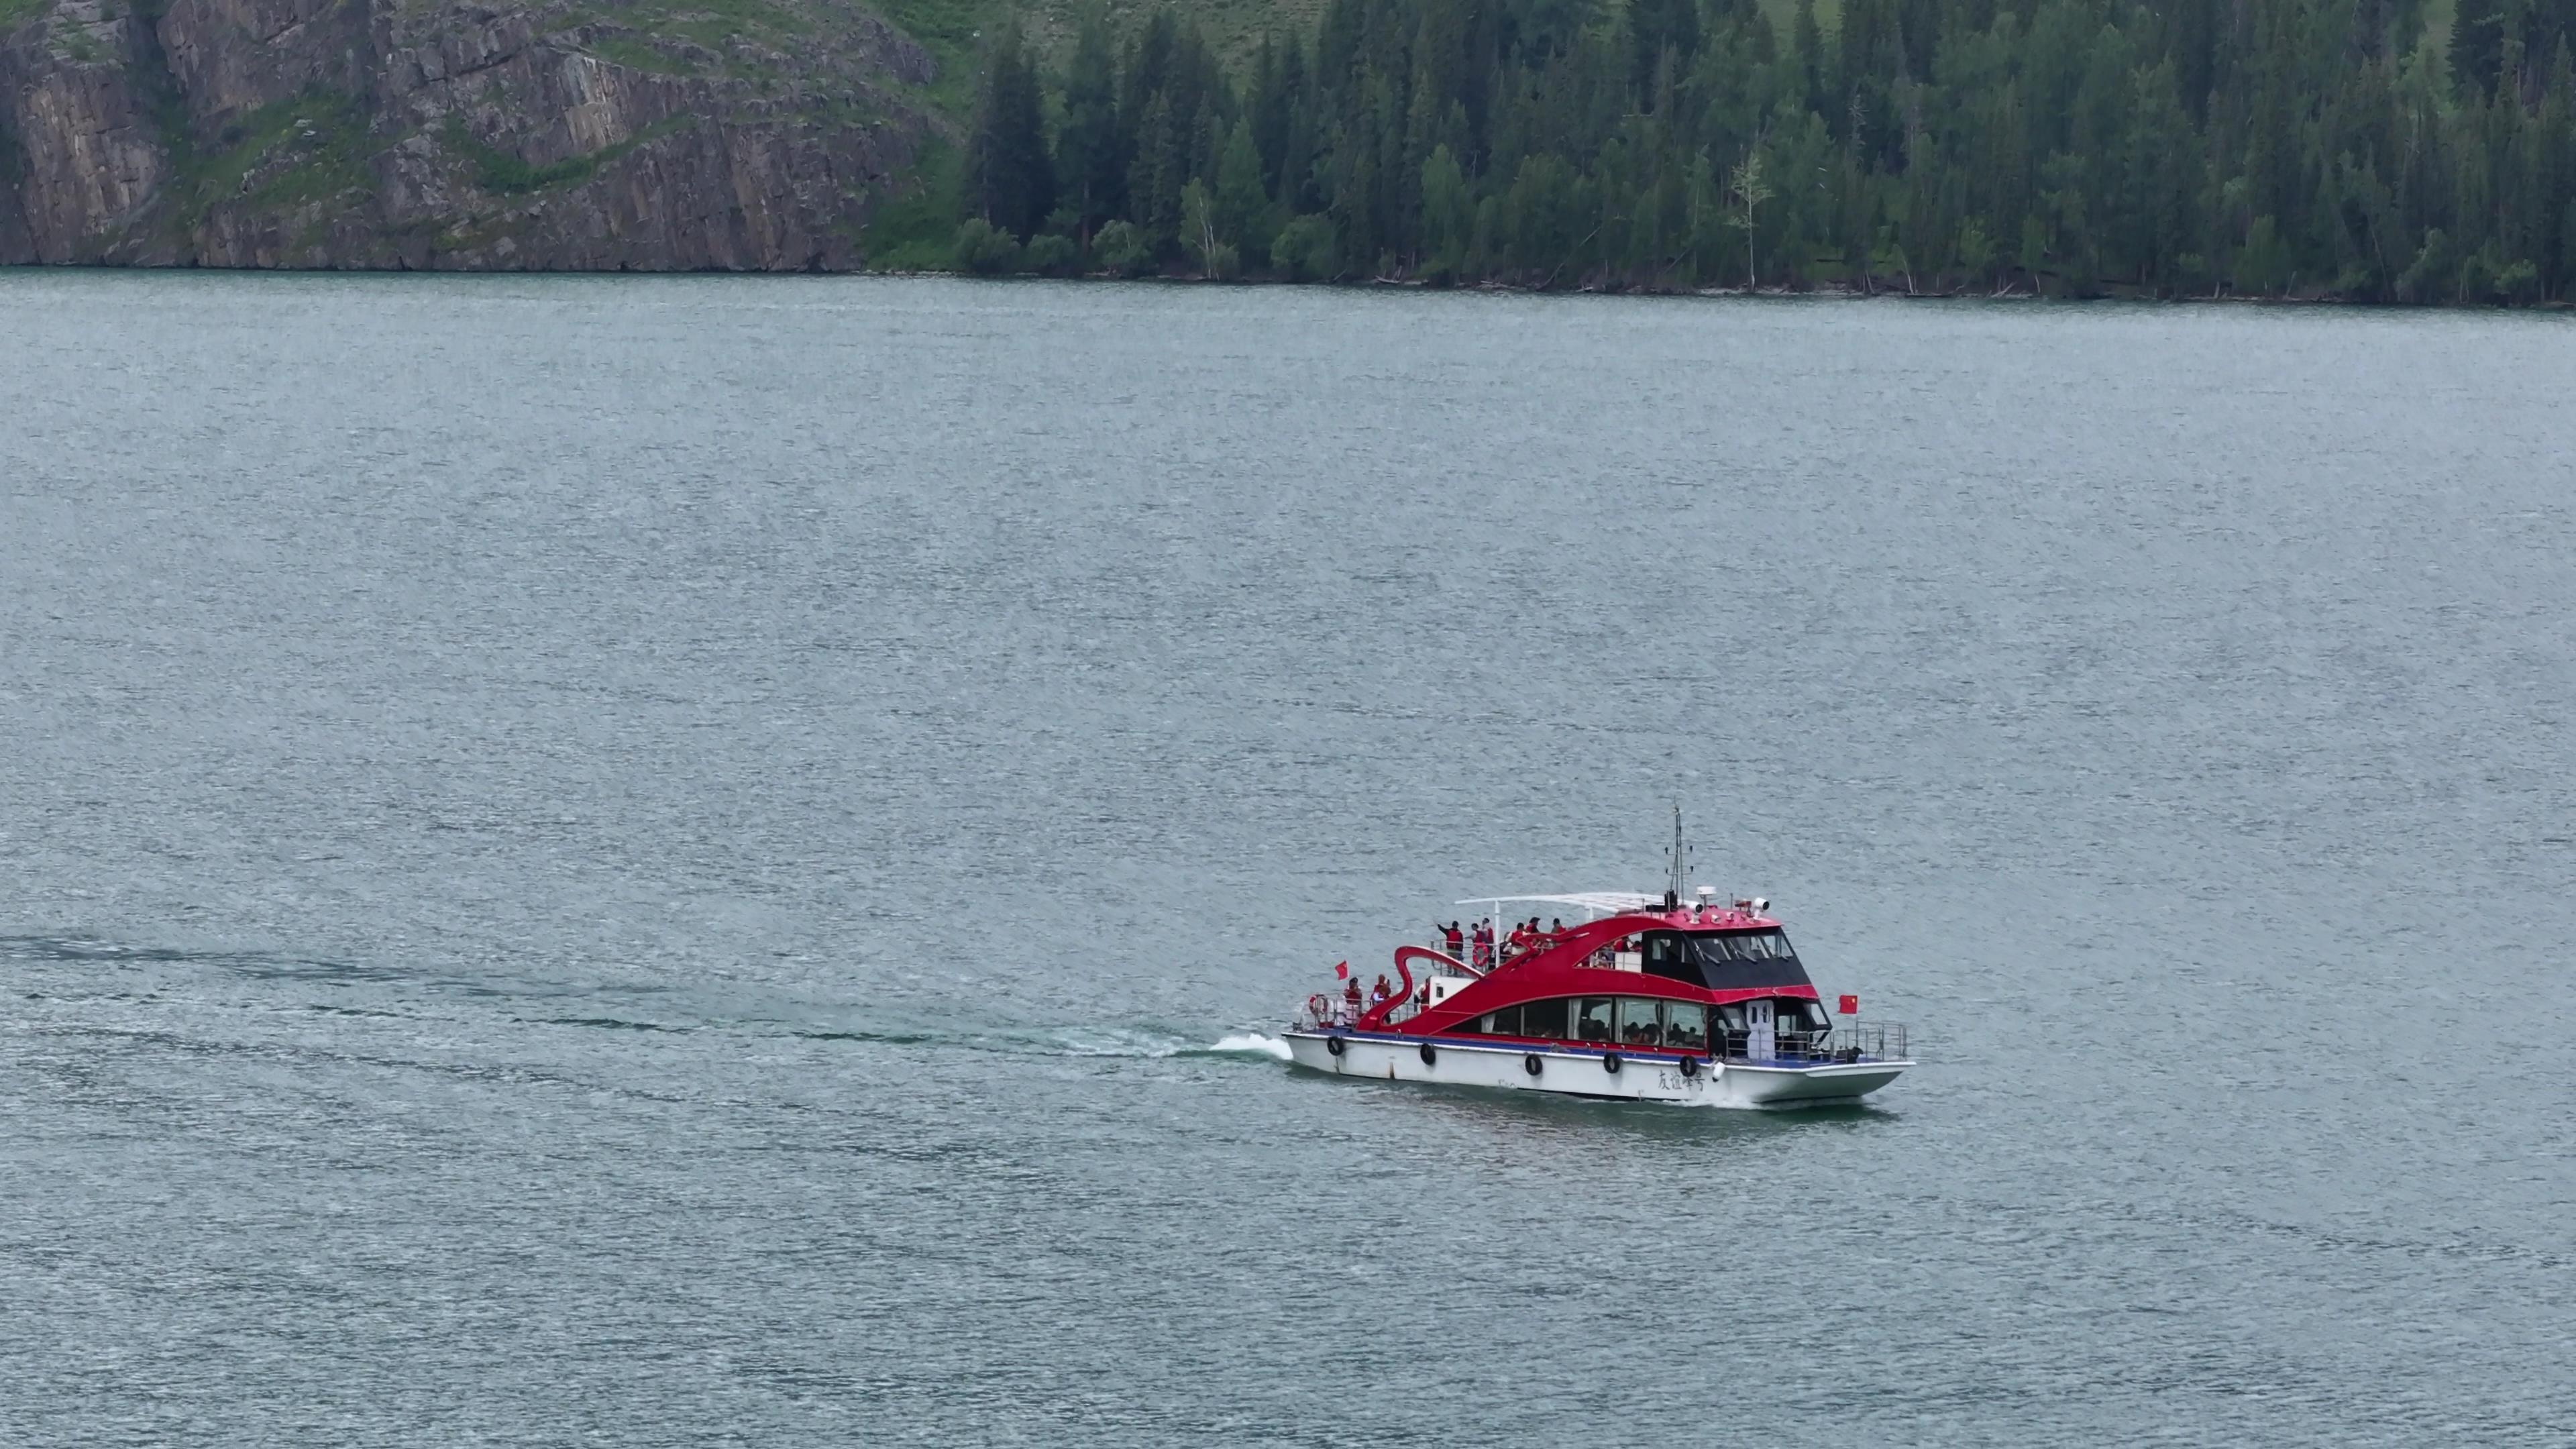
[667, 862]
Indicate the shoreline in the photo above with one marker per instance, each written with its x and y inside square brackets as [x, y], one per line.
[1819, 291]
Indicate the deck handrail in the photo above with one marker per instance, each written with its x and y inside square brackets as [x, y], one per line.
[1851, 1042]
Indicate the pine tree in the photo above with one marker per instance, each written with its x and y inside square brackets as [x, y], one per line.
[1009, 183]
[1090, 160]
[1448, 216]
[1242, 205]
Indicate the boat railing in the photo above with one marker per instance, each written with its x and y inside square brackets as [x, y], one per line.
[1858, 1041]
[1328, 1009]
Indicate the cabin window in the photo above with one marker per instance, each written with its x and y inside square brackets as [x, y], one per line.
[1686, 1025]
[1641, 1022]
[1544, 1019]
[1669, 955]
[1800, 1016]
[1506, 1022]
[1592, 1021]
[1733, 1029]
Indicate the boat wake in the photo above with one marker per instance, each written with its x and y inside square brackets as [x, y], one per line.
[1155, 1045]
[1250, 1043]
[1143, 1043]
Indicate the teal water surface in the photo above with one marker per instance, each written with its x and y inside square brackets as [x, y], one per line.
[666, 862]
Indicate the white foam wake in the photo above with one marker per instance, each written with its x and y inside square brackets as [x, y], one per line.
[1252, 1041]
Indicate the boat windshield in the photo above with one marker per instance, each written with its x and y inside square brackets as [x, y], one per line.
[1746, 946]
[1744, 960]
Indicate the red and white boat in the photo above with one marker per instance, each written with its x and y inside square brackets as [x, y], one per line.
[1652, 999]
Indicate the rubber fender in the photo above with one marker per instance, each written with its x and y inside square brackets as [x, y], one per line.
[1610, 1063]
[1690, 1066]
[1532, 1065]
[1430, 1054]
[1333, 1044]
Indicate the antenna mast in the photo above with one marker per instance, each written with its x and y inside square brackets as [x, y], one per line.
[1673, 890]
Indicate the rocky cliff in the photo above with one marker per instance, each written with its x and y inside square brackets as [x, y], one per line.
[564, 134]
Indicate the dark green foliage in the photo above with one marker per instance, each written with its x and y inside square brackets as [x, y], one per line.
[1010, 181]
[1090, 155]
[2068, 147]
[1242, 209]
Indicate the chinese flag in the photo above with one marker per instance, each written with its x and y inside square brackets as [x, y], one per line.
[1851, 1006]
[1343, 972]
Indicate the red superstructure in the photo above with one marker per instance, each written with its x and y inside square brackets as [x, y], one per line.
[1571, 964]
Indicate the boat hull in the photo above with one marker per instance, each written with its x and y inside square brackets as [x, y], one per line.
[1577, 1071]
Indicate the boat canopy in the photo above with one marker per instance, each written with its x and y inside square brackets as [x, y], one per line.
[1600, 903]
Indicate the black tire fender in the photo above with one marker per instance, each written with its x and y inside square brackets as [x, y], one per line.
[1430, 1054]
[1690, 1066]
[1610, 1063]
[1333, 1044]
[1532, 1064]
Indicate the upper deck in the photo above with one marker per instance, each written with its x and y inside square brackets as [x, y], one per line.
[1667, 911]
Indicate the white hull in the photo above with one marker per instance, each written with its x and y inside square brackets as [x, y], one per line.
[1579, 1071]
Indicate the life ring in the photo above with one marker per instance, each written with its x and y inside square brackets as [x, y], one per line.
[1430, 1054]
[1610, 1063]
[1333, 1044]
[1690, 1066]
[1532, 1065]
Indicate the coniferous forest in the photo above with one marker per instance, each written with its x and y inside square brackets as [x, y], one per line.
[2355, 149]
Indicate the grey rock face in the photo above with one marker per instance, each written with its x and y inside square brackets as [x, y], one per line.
[434, 134]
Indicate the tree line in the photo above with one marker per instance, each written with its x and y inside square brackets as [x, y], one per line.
[2343, 148]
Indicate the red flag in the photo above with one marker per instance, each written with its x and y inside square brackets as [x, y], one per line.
[1851, 1006]
[1342, 972]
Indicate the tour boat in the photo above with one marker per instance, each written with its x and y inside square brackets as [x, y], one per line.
[1652, 999]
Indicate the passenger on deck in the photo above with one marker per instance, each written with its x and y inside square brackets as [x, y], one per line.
[1484, 946]
[1380, 992]
[1519, 942]
[1452, 937]
[1351, 995]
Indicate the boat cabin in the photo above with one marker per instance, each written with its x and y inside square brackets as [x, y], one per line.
[1709, 980]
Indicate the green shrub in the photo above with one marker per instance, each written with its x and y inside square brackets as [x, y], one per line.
[1120, 249]
[1052, 255]
[985, 249]
[1306, 250]
[2517, 282]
